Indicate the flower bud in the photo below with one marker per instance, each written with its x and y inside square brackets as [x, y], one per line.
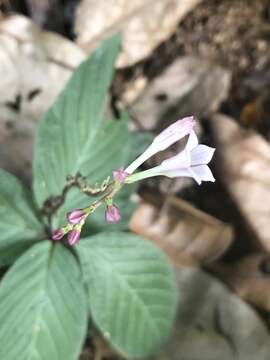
[58, 234]
[112, 214]
[74, 236]
[76, 216]
[120, 175]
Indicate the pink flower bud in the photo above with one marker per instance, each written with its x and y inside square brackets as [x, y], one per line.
[76, 216]
[58, 234]
[74, 236]
[120, 175]
[112, 214]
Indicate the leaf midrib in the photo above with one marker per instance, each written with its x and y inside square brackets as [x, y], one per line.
[39, 319]
[122, 280]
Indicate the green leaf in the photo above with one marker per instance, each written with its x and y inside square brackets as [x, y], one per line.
[66, 134]
[19, 224]
[43, 313]
[131, 291]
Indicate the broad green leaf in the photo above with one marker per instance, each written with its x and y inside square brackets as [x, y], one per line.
[43, 313]
[67, 133]
[131, 291]
[19, 223]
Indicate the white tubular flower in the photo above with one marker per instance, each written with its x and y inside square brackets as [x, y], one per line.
[191, 162]
[166, 138]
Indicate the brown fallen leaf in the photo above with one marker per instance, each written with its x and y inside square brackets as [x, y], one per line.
[244, 167]
[188, 235]
[252, 113]
[144, 24]
[212, 323]
[103, 349]
[189, 86]
[256, 112]
[249, 278]
[34, 67]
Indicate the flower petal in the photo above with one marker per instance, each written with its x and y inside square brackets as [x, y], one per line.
[203, 173]
[201, 155]
[174, 132]
[166, 138]
[192, 141]
[179, 161]
[188, 172]
[177, 173]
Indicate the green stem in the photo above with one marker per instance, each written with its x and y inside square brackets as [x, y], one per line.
[109, 194]
[142, 175]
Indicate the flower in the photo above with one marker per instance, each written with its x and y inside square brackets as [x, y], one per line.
[191, 162]
[58, 234]
[76, 216]
[166, 138]
[112, 214]
[74, 236]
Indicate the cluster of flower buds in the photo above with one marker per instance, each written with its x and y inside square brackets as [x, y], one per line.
[76, 219]
[190, 162]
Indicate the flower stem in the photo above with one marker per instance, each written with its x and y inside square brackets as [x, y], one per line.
[143, 175]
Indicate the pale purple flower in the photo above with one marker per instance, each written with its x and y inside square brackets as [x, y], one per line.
[191, 162]
[76, 216]
[166, 138]
[112, 214]
[58, 234]
[74, 236]
[120, 175]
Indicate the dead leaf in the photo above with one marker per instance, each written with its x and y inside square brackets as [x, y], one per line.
[34, 67]
[252, 113]
[143, 23]
[188, 235]
[103, 349]
[256, 112]
[244, 166]
[38, 10]
[189, 86]
[249, 278]
[212, 323]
